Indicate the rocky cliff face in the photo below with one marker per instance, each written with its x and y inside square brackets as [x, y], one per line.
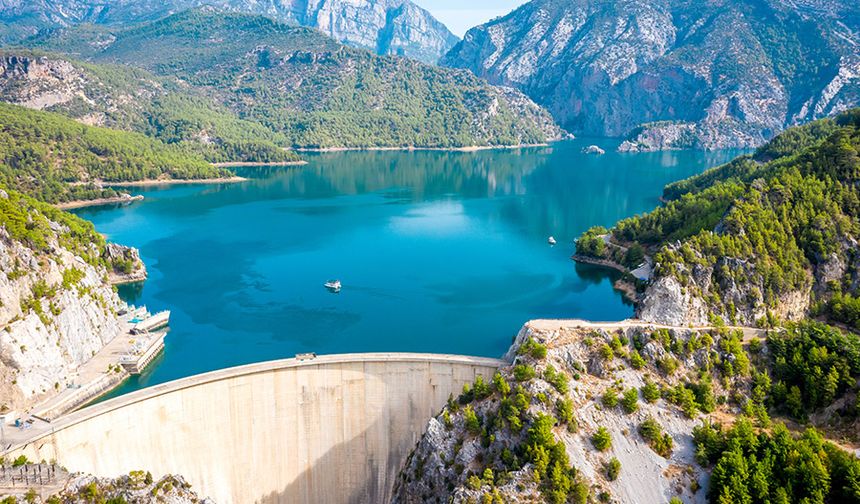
[669, 300]
[57, 309]
[55, 84]
[674, 73]
[126, 266]
[386, 26]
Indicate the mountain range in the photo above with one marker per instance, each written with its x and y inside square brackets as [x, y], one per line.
[674, 73]
[386, 26]
[245, 80]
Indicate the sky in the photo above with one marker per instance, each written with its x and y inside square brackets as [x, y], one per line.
[460, 15]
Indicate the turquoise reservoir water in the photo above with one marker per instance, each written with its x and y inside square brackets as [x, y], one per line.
[437, 251]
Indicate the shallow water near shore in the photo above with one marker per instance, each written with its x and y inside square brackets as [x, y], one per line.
[441, 252]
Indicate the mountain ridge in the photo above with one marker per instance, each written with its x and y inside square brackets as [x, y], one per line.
[396, 27]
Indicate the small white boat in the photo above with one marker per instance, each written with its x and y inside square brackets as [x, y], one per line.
[551, 241]
[333, 285]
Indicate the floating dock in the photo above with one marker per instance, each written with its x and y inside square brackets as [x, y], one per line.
[145, 344]
[147, 322]
[143, 351]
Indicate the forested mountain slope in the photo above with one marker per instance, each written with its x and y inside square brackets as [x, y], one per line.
[311, 90]
[387, 26]
[675, 73]
[56, 159]
[131, 99]
[773, 235]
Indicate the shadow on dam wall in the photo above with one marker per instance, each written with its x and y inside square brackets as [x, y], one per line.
[336, 429]
[313, 481]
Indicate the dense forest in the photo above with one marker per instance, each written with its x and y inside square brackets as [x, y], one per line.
[801, 370]
[56, 159]
[307, 90]
[770, 223]
[753, 466]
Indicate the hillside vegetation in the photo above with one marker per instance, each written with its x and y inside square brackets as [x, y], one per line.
[56, 159]
[132, 99]
[765, 236]
[308, 90]
[29, 221]
[637, 414]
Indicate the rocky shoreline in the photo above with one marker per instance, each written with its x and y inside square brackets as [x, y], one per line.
[258, 163]
[125, 198]
[164, 182]
[622, 285]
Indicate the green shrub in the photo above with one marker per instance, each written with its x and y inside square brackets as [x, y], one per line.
[613, 468]
[601, 439]
[661, 443]
[474, 482]
[650, 391]
[555, 378]
[564, 410]
[470, 419]
[523, 372]
[532, 348]
[480, 390]
[610, 398]
[606, 352]
[630, 401]
[636, 360]
[501, 385]
[668, 365]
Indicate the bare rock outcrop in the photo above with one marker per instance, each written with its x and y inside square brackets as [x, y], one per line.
[125, 262]
[482, 447]
[691, 296]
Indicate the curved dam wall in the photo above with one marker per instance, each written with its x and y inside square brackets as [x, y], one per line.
[335, 429]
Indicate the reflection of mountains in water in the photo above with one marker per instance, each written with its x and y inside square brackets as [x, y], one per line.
[553, 190]
[425, 174]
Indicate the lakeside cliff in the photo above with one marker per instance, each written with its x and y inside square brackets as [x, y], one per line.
[764, 238]
[57, 305]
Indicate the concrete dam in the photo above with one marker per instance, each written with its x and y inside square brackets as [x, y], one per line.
[334, 429]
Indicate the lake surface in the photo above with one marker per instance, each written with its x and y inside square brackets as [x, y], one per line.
[437, 251]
